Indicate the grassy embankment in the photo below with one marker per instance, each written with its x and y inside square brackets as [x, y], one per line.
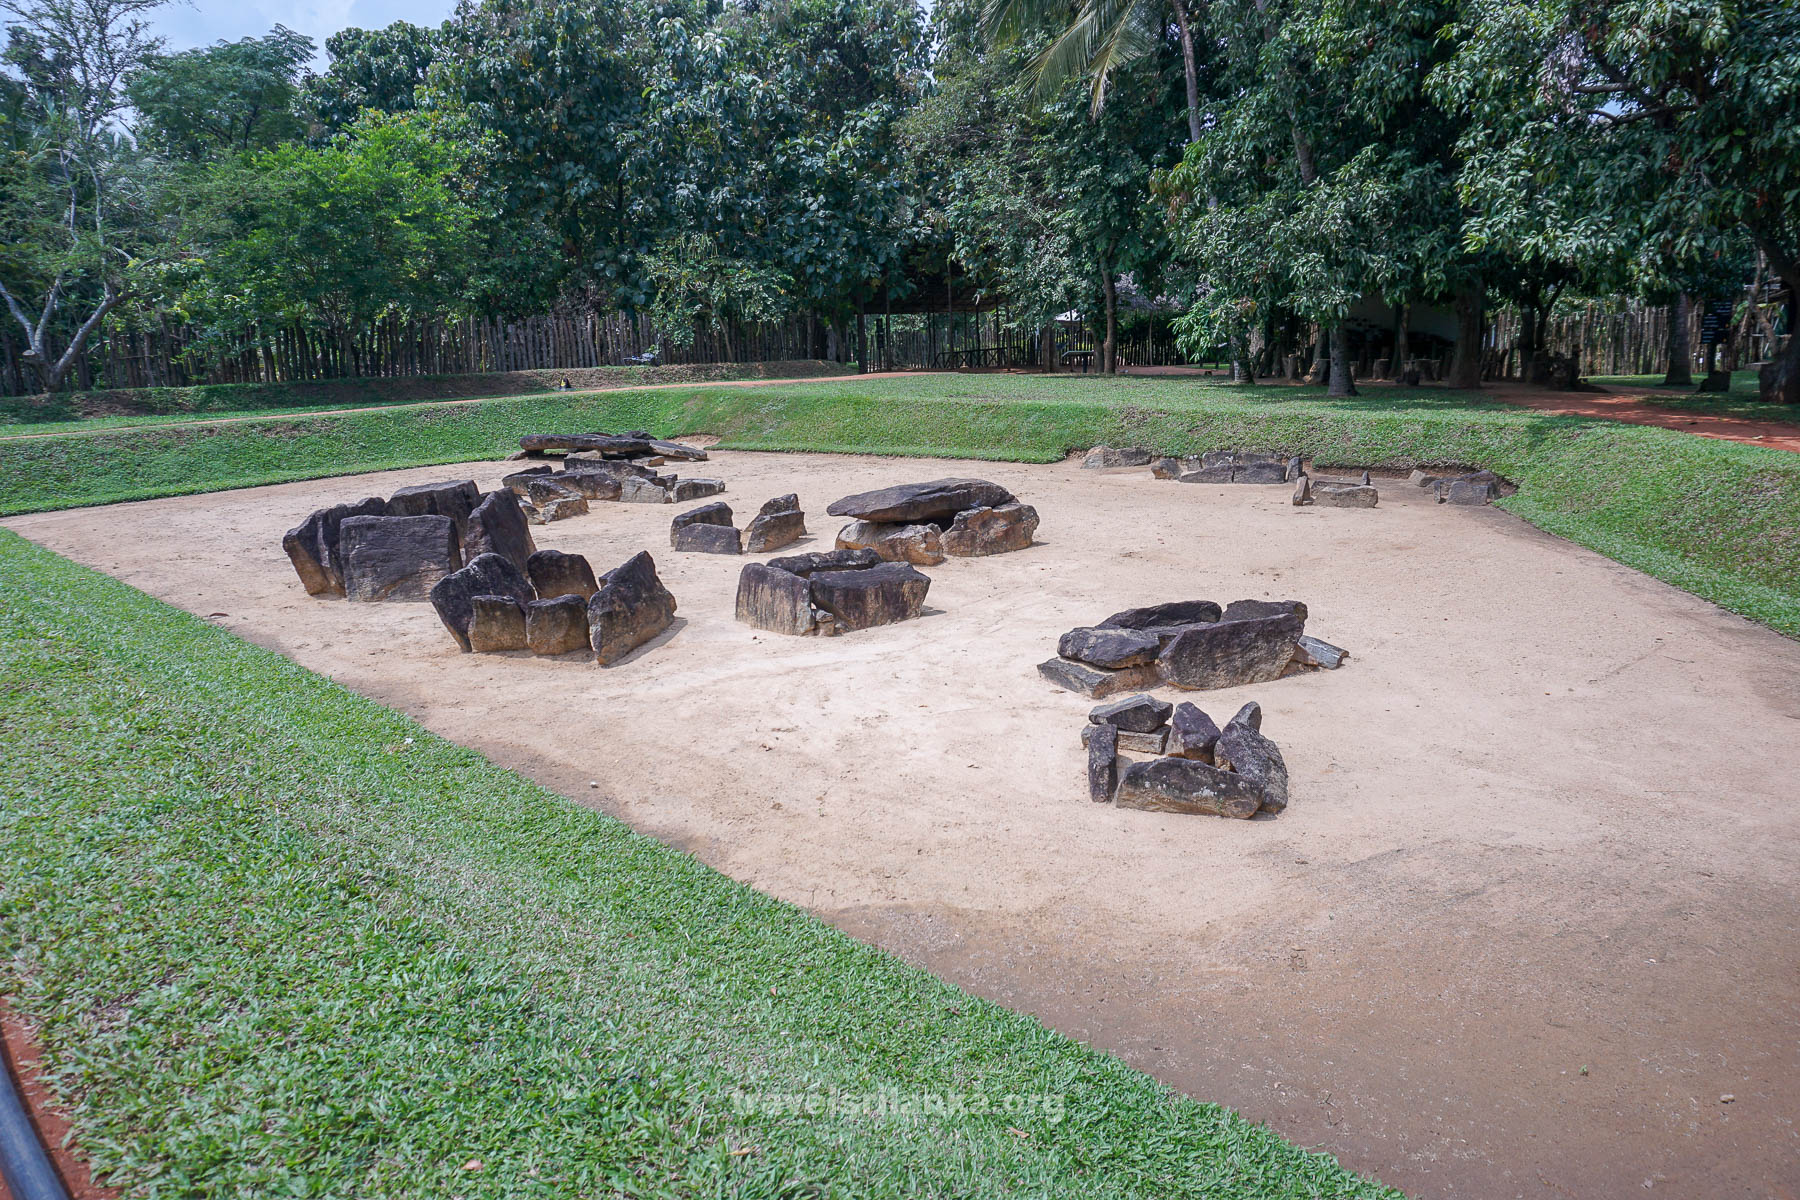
[122, 407]
[1717, 518]
[280, 941]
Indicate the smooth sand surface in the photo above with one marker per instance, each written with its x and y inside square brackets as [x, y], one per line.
[1531, 914]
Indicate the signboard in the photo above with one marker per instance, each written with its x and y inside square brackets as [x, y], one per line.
[1715, 324]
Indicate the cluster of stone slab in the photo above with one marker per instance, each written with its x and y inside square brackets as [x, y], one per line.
[1468, 487]
[556, 605]
[1336, 493]
[398, 548]
[547, 494]
[1215, 466]
[825, 594]
[1193, 644]
[924, 523]
[709, 529]
[1192, 765]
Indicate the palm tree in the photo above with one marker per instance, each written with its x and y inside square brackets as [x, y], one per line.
[1105, 36]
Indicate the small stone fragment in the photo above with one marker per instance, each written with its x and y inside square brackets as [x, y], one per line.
[1139, 714]
[519, 481]
[1096, 683]
[1103, 763]
[557, 626]
[1294, 468]
[554, 574]
[1245, 610]
[1136, 743]
[1183, 785]
[1461, 491]
[1105, 457]
[1259, 472]
[1218, 474]
[635, 489]
[1344, 495]
[1166, 468]
[1315, 653]
[1192, 733]
[1112, 648]
[1303, 491]
[705, 539]
[684, 490]
[562, 510]
[496, 623]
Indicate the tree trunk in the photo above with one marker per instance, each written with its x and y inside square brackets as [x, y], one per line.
[1047, 348]
[1465, 367]
[862, 342]
[1681, 355]
[1340, 383]
[1402, 338]
[1779, 381]
[1321, 363]
[1109, 350]
[1193, 76]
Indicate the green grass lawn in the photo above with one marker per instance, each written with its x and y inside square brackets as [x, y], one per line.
[1717, 518]
[281, 941]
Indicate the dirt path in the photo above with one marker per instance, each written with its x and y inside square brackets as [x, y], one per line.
[1630, 406]
[1531, 914]
[340, 412]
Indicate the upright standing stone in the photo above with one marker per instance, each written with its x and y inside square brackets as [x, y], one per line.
[498, 526]
[312, 546]
[455, 499]
[488, 575]
[773, 599]
[554, 574]
[1255, 759]
[1230, 653]
[1192, 734]
[557, 626]
[397, 558]
[631, 607]
[779, 523]
[496, 623]
[1103, 763]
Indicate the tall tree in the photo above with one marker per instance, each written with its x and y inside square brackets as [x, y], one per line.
[1673, 119]
[232, 96]
[74, 209]
[381, 69]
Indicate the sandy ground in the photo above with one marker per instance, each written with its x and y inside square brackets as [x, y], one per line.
[1530, 917]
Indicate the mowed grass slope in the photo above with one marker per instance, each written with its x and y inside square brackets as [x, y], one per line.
[1717, 518]
[279, 940]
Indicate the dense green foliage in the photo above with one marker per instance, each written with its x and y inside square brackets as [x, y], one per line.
[1279, 170]
[360, 960]
[1717, 518]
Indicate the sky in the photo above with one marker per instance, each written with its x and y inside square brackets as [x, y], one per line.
[190, 23]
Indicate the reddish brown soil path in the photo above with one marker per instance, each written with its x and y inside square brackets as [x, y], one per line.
[1631, 406]
[22, 1059]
